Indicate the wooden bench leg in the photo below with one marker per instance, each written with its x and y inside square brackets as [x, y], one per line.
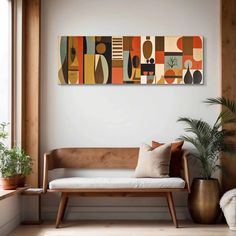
[64, 210]
[61, 209]
[172, 208]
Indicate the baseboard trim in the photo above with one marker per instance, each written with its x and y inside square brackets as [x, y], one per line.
[10, 225]
[115, 213]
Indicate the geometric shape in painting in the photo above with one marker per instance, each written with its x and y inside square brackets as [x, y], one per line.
[159, 57]
[197, 42]
[173, 61]
[159, 71]
[148, 49]
[159, 43]
[63, 62]
[188, 78]
[90, 45]
[197, 54]
[193, 65]
[130, 60]
[171, 44]
[143, 79]
[73, 63]
[170, 76]
[88, 69]
[188, 45]
[173, 76]
[197, 77]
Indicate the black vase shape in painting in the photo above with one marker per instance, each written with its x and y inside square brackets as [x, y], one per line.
[197, 77]
[188, 79]
[129, 66]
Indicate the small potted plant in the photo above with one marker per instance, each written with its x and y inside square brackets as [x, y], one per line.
[8, 165]
[24, 166]
[209, 141]
[15, 164]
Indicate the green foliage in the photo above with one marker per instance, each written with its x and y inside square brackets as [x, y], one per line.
[3, 135]
[24, 162]
[12, 160]
[210, 141]
[8, 163]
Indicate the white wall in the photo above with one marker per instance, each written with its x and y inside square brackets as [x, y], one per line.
[87, 116]
[10, 214]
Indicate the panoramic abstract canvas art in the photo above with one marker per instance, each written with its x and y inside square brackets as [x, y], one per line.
[130, 60]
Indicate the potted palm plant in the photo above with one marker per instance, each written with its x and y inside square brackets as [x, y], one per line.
[209, 141]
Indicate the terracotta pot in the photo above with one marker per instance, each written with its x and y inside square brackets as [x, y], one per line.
[203, 201]
[20, 180]
[9, 183]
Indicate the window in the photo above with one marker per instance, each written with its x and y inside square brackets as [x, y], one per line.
[5, 60]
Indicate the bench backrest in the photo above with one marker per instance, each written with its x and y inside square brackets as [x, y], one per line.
[94, 158]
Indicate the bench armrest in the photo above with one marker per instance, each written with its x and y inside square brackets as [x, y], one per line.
[47, 162]
[186, 169]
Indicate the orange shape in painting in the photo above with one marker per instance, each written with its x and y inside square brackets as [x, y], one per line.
[80, 59]
[101, 48]
[160, 57]
[196, 65]
[170, 79]
[136, 45]
[197, 42]
[180, 43]
[117, 75]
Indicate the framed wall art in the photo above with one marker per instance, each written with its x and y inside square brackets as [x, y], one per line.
[152, 60]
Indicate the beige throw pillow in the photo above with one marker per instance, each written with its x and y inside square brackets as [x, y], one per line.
[153, 162]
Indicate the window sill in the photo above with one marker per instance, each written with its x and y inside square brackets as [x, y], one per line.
[8, 193]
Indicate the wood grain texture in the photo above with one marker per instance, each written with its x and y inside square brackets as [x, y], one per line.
[228, 34]
[61, 209]
[31, 85]
[95, 158]
[171, 207]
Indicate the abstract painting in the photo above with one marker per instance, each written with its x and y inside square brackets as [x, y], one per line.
[130, 60]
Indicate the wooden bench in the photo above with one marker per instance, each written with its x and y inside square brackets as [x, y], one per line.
[106, 158]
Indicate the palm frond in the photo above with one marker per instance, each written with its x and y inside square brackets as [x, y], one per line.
[225, 117]
[200, 128]
[222, 101]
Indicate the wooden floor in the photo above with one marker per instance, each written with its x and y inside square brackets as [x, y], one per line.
[123, 228]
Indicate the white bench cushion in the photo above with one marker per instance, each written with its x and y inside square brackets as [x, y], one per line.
[114, 183]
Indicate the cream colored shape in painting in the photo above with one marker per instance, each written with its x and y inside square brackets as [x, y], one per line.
[105, 69]
[197, 54]
[143, 79]
[159, 71]
[171, 44]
